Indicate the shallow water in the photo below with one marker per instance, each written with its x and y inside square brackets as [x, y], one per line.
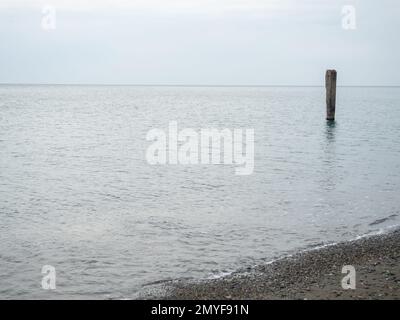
[77, 193]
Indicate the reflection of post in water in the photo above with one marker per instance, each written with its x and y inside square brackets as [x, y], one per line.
[330, 131]
[329, 171]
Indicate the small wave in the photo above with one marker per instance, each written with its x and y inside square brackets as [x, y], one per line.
[380, 231]
[219, 275]
[156, 282]
[379, 221]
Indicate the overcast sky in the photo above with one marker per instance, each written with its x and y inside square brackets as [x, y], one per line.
[222, 42]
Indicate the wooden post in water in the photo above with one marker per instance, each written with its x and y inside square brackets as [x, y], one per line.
[330, 84]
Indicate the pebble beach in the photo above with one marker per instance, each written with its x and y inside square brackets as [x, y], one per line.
[308, 275]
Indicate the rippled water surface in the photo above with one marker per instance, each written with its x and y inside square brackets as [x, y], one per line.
[77, 193]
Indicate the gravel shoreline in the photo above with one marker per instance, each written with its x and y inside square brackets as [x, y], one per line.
[315, 274]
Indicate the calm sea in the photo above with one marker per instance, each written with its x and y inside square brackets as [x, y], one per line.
[77, 193]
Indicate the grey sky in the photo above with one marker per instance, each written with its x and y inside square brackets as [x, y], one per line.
[253, 42]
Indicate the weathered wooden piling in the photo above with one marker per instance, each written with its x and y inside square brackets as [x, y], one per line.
[330, 84]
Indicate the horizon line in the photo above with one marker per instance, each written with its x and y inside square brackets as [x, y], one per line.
[191, 85]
